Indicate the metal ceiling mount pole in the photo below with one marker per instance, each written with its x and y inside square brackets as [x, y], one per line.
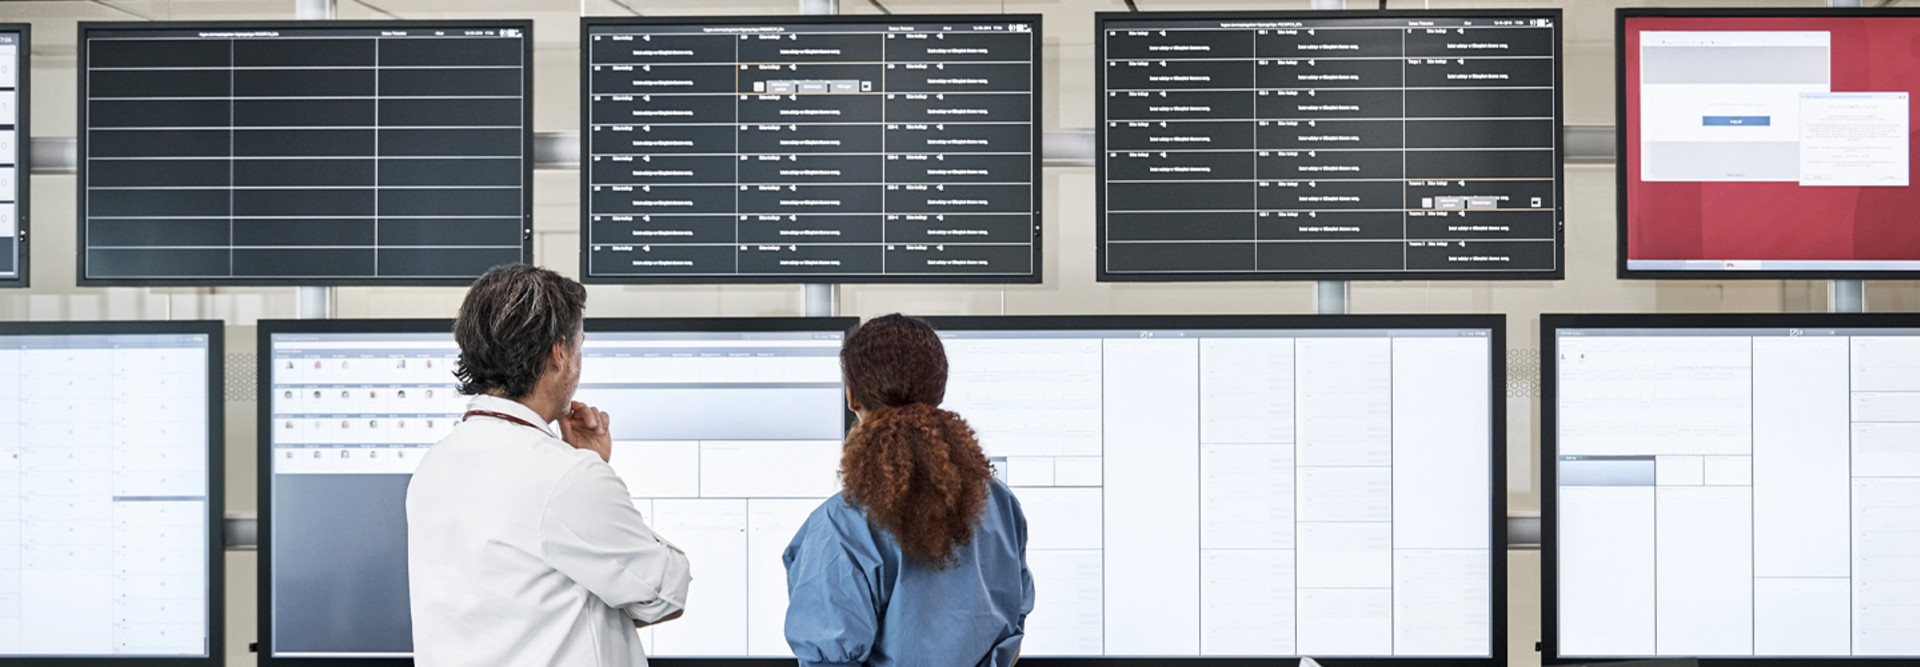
[316, 302]
[1330, 296]
[820, 299]
[313, 10]
[1846, 296]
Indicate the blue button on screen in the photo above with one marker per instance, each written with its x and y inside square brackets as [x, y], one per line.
[1738, 121]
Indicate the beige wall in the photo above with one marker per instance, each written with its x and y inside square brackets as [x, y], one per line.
[1069, 286]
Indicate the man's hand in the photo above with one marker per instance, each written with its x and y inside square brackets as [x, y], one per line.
[586, 428]
[668, 617]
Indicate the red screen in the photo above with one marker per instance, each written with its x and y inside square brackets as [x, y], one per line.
[1680, 220]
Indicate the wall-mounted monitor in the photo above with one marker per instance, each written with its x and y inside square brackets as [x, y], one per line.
[792, 149]
[1731, 487]
[727, 432]
[15, 147]
[1254, 488]
[309, 153]
[110, 488]
[1378, 145]
[1766, 143]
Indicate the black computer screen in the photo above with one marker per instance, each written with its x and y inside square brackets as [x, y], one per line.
[1765, 143]
[1327, 145]
[324, 153]
[348, 408]
[1314, 485]
[14, 45]
[1736, 488]
[110, 493]
[811, 150]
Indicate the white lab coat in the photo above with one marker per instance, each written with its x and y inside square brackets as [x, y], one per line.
[522, 550]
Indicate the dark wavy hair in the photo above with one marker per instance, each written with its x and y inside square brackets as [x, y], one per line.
[915, 469]
[507, 327]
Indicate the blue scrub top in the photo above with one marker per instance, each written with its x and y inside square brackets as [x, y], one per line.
[854, 599]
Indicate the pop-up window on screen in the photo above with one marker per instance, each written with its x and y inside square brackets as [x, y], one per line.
[1857, 139]
[1725, 105]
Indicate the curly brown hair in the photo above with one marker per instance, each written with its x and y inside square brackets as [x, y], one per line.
[915, 469]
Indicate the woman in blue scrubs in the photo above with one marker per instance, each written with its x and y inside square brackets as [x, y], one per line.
[921, 560]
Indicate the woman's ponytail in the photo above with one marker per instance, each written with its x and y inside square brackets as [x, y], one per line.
[918, 473]
[914, 468]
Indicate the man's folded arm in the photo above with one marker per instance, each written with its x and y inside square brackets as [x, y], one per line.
[592, 533]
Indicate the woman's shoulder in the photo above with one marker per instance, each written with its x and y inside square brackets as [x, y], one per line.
[831, 510]
[837, 516]
[836, 522]
[998, 493]
[1002, 506]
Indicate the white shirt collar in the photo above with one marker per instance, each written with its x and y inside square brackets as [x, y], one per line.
[509, 407]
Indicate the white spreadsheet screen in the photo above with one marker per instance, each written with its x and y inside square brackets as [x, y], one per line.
[1738, 492]
[728, 440]
[103, 495]
[1243, 492]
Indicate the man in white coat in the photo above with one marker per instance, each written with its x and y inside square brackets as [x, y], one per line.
[524, 548]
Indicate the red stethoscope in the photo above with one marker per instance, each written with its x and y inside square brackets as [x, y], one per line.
[503, 417]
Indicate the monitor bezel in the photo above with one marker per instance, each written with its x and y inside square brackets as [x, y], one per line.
[86, 29]
[1494, 324]
[22, 157]
[1550, 326]
[1559, 272]
[216, 398]
[1621, 145]
[264, 356]
[1036, 175]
